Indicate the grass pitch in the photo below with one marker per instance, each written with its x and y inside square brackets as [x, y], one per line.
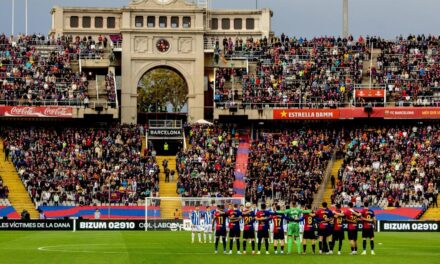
[175, 247]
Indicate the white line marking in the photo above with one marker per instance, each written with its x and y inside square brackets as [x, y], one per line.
[59, 248]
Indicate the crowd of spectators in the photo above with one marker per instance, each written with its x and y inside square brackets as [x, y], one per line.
[388, 166]
[4, 190]
[76, 166]
[323, 71]
[206, 167]
[110, 88]
[289, 165]
[409, 68]
[35, 70]
[227, 81]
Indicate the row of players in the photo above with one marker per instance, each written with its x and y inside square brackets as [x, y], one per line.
[299, 223]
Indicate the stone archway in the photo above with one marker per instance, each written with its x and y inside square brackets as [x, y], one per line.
[162, 89]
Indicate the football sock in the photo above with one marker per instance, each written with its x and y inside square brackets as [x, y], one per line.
[244, 245]
[253, 245]
[289, 245]
[313, 248]
[304, 248]
[282, 248]
[372, 244]
[320, 245]
[200, 237]
[224, 243]
[266, 244]
[340, 245]
[238, 244]
[259, 244]
[331, 244]
[217, 239]
[364, 245]
[192, 237]
[298, 245]
[231, 244]
[204, 237]
[275, 248]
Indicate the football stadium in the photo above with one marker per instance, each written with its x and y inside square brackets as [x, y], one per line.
[180, 131]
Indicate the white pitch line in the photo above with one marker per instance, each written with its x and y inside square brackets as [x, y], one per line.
[58, 248]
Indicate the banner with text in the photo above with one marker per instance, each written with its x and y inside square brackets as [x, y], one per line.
[370, 93]
[139, 225]
[164, 132]
[306, 114]
[38, 111]
[357, 112]
[409, 226]
[36, 225]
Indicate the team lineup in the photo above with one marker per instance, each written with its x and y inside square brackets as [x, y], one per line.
[293, 225]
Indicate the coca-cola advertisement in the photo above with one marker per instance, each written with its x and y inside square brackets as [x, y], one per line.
[38, 111]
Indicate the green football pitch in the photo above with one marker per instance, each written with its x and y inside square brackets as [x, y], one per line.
[175, 247]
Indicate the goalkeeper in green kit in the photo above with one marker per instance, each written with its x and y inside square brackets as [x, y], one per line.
[293, 226]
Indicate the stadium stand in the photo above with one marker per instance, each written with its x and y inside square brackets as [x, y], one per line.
[74, 166]
[289, 165]
[35, 70]
[206, 167]
[324, 72]
[390, 167]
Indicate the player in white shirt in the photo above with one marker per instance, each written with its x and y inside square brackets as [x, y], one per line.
[207, 217]
[196, 224]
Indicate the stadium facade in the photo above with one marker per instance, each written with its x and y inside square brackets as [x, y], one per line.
[188, 28]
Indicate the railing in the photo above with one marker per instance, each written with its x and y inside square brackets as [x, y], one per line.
[97, 88]
[165, 124]
[77, 103]
[116, 91]
[317, 105]
[116, 45]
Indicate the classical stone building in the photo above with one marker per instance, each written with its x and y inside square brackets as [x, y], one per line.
[175, 34]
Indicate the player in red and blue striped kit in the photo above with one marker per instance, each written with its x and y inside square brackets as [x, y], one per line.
[279, 221]
[338, 229]
[324, 216]
[368, 222]
[309, 230]
[219, 224]
[234, 215]
[248, 229]
[263, 218]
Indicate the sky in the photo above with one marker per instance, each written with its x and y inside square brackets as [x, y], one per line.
[306, 18]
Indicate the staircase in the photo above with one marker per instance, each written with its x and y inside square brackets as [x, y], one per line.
[168, 189]
[18, 196]
[144, 145]
[252, 68]
[366, 66]
[432, 213]
[328, 187]
[241, 164]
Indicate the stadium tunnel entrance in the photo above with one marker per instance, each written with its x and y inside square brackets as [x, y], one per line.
[162, 94]
[166, 147]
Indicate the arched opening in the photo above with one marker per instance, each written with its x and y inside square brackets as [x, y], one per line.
[162, 90]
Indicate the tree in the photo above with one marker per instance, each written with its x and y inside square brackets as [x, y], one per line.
[160, 88]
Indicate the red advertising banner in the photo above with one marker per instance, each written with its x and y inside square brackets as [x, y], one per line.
[411, 113]
[38, 111]
[358, 112]
[306, 114]
[2, 110]
[370, 93]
